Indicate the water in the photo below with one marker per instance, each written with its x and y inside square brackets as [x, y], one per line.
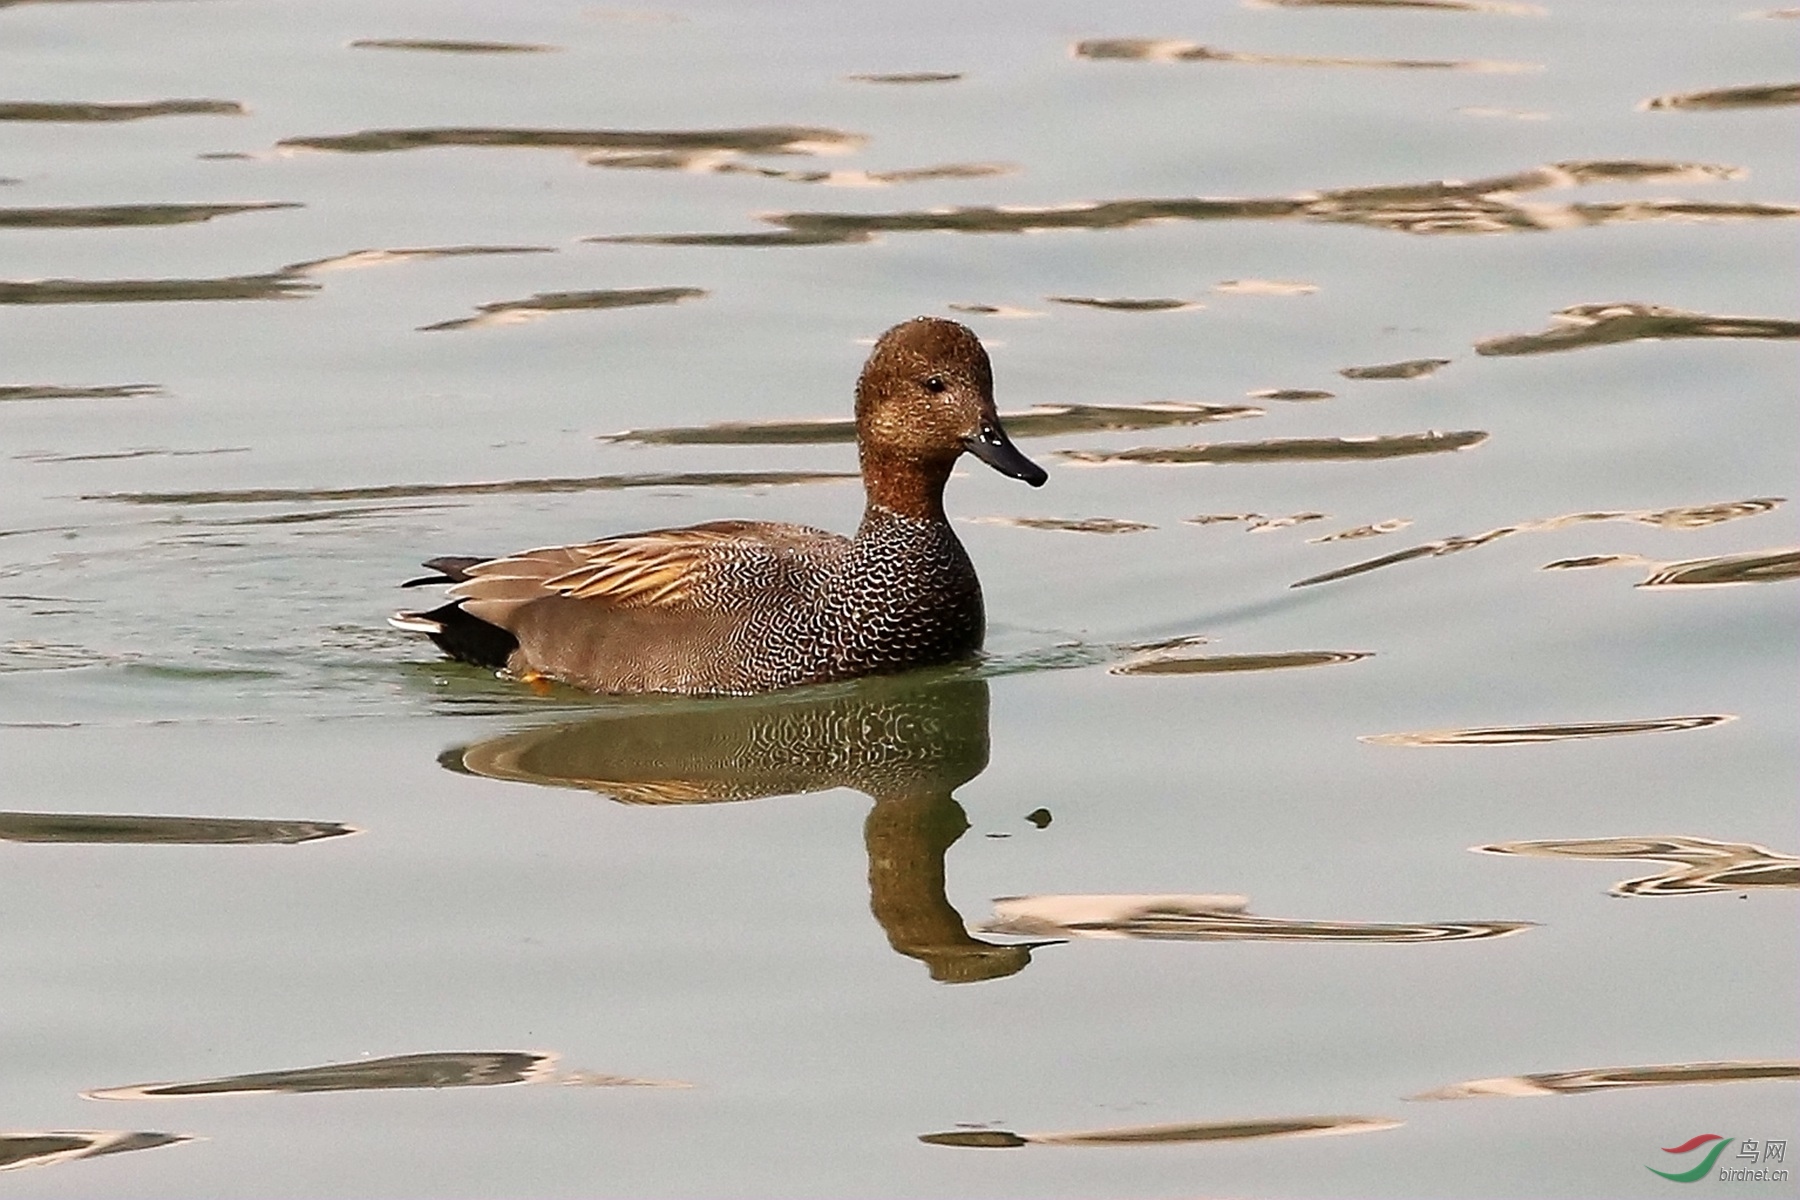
[1170, 878]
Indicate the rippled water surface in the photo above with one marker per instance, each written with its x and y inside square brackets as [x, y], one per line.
[1271, 814]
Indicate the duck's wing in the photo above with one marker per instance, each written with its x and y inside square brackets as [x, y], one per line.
[668, 569]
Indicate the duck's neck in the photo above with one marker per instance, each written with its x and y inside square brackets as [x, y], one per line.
[908, 486]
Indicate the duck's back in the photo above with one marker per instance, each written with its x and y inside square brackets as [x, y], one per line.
[732, 606]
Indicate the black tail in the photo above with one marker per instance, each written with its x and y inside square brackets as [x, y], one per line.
[470, 639]
[460, 635]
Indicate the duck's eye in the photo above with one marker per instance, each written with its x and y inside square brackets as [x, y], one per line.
[935, 383]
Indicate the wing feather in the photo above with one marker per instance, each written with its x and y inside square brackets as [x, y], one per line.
[665, 568]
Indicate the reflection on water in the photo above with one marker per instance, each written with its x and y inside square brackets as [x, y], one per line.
[1127, 304]
[1697, 865]
[43, 1149]
[513, 312]
[1733, 97]
[1145, 1135]
[1256, 522]
[1300, 395]
[135, 452]
[1725, 570]
[1412, 368]
[104, 216]
[1171, 50]
[357, 259]
[907, 77]
[1005, 312]
[1585, 325]
[482, 1068]
[1480, 6]
[277, 285]
[1392, 525]
[1759, 566]
[49, 391]
[1208, 918]
[1264, 287]
[1510, 114]
[1487, 205]
[905, 741]
[1164, 663]
[389, 491]
[1606, 1079]
[1344, 449]
[162, 831]
[1067, 525]
[451, 47]
[1040, 420]
[611, 146]
[349, 513]
[727, 166]
[1691, 516]
[27, 111]
[1518, 735]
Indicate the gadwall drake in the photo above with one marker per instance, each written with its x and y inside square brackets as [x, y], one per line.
[739, 607]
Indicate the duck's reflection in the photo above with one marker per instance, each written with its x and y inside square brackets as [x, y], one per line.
[907, 742]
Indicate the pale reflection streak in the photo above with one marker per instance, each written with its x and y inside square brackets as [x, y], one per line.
[552, 486]
[751, 140]
[1762, 96]
[1471, 6]
[82, 112]
[1257, 522]
[865, 179]
[1488, 205]
[1522, 735]
[1685, 517]
[481, 1068]
[1104, 525]
[1725, 570]
[292, 281]
[1166, 663]
[1607, 1079]
[1264, 287]
[275, 285]
[447, 46]
[1040, 420]
[1148, 1135]
[108, 216]
[1127, 304]
[1341, 449]
[131, 829]
[1359, 532]
[1172, 50]
[51, 391]
[513, 312]
[718, 150]
[906, 77]
[1697, 866]
[1583, 325]
[1208, 918]
[22, 1148]
[1757, 566]
[1412, 368]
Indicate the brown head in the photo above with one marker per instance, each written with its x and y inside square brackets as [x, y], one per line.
[925, 396]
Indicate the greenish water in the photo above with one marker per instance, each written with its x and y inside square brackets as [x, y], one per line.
[1483, 866]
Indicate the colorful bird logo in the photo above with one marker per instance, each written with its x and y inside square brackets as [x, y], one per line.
[1706, 1164]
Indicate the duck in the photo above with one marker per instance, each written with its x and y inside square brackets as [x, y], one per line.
[731, 608]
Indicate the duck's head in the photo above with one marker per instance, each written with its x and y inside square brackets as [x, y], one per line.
[925, 396]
